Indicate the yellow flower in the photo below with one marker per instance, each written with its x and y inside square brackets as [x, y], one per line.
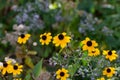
[62, 74]
[111, 55]
[94, 52]
[102, 78]
[6, 67]
[17, 79]
[61, 40]
[17, 69]
[45, 38]
[23, 38]
[109, 71]
[89, 44]
[1, 66]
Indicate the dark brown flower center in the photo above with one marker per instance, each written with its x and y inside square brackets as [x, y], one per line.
[44, 37]
[15, 67]
[61, 37]
[93, 51]
[108, 70]
[5, 64]
[89, 43]
[62, 74]
[22, 35]
[110, 53]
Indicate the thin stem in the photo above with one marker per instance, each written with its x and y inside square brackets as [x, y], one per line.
[60, 50]
[70, 49]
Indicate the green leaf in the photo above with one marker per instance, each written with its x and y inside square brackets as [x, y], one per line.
[29, 62]
[80, 44]
[85, 54]
[37, 69]
[84, 58]
[32, 52]
[73, 68]
[84, 62]
[28, 76]
[1, 79]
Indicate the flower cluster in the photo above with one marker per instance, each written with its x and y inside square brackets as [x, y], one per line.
[10, 66]
[90, 45]
[59, 40]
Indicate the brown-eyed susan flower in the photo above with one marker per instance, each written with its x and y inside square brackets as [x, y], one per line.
[6, 67]
[17, 69]
[109, 71]
[94, 52]
[61, 40]
[89, 44]
[45, 38]
[23, 38]
[110, 54]
[62, 74]
[102, 78]
[17, 79]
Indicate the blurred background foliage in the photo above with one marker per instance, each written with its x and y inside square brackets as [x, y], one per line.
[97, 19]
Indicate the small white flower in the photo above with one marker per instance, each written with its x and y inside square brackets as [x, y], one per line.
[7, 59]
[14, 7]
[1, 64]
[34, 43]
[21, 26]
[18, 27]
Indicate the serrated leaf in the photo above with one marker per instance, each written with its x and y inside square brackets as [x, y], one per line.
[37, 69]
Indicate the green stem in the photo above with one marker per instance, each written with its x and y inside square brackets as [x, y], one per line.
[60, 50]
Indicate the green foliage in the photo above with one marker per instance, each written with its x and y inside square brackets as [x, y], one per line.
[28, 77]
[29, 62]
[73, 68]
[97, 19]
[37, 69]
